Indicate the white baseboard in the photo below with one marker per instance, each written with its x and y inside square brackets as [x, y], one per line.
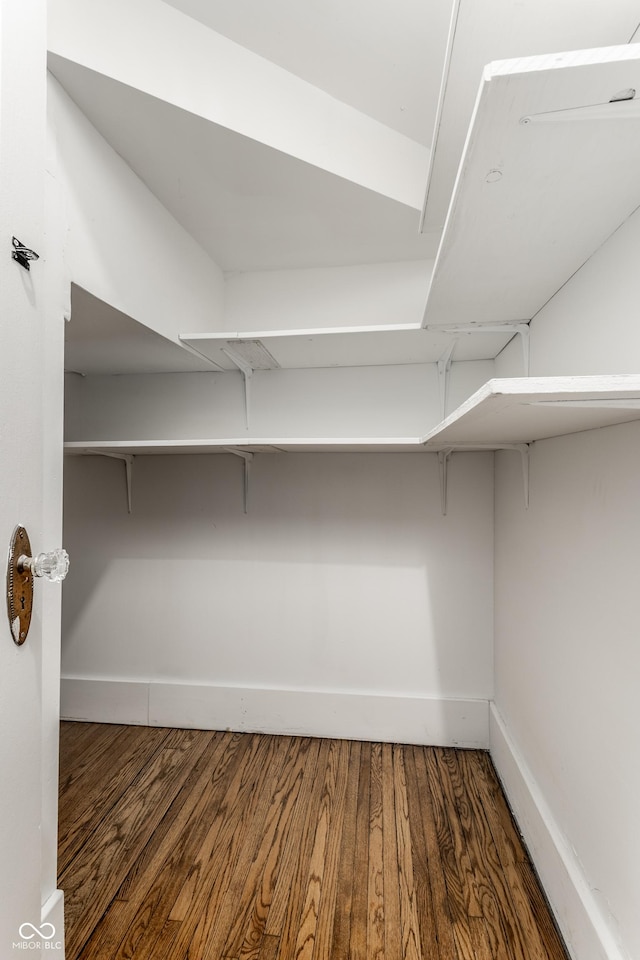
[53, 912]
[105, 701]
[423, 720]
[585, 928]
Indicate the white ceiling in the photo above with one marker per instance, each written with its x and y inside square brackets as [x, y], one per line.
[171, 84]
[150, 75]
[383, 57]
[250, 206]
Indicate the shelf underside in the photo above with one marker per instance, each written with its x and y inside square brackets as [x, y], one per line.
[100, 340]
[523, 410]
[245, 445]
[495, 30]
[335, 347]
[549, 172]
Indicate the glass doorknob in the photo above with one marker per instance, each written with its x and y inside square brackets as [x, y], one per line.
[53, 566]
[22, 568]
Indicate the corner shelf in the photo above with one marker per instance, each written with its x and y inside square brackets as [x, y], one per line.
[335, 347]
[524, 409]
[511, 414]
[505, 414]
[508, 410]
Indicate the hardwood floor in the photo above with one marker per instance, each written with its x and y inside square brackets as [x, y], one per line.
[179, 844]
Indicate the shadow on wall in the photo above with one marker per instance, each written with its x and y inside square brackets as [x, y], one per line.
[344, 575]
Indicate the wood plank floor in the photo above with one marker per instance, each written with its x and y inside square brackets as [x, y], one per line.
[193, 845]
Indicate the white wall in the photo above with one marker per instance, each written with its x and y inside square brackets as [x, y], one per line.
[373, 293]
[567, 658]
[344, 582]
[122, 244]
[590, 326]
[567, 662]
[398, 401]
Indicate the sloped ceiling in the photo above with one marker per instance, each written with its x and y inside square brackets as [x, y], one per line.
[318, 159]
[302, 133]
[251, 207]
[383, 58]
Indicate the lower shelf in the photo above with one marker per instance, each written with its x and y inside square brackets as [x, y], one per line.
[514, 410]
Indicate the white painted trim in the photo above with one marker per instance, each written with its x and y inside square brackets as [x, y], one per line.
[423, 720]
[586, 929]
[105, 701]
[53, 912]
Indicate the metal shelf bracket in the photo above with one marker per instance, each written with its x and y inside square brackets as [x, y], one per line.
[127, 459]
[521, 329]
[248, 459]
[247, 373]
[443, 463]
[444, 367]
[525, 456]
[443, 466]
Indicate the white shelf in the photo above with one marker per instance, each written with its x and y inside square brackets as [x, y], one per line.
[522, 410]
[503, 411]
[338, 346]
[245, 445]
[503, 414]
[543, 181]
[494, 30]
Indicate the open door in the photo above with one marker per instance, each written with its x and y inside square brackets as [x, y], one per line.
[31, 324]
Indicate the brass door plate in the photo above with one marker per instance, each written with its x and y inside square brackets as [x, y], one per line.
[19, 586]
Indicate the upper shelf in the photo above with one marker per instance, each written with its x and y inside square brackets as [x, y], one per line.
[495, 30]
[337, 347]
[503, 411]
[101, 340]
[549, 171]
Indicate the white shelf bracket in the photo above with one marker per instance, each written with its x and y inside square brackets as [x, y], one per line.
[127, 459]
[524, 450]
[443, 464]
[247, 372]
[248, 459]
[444, 366]
[522, 329]
[525, 454]
[200, 356]
[443, 458]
